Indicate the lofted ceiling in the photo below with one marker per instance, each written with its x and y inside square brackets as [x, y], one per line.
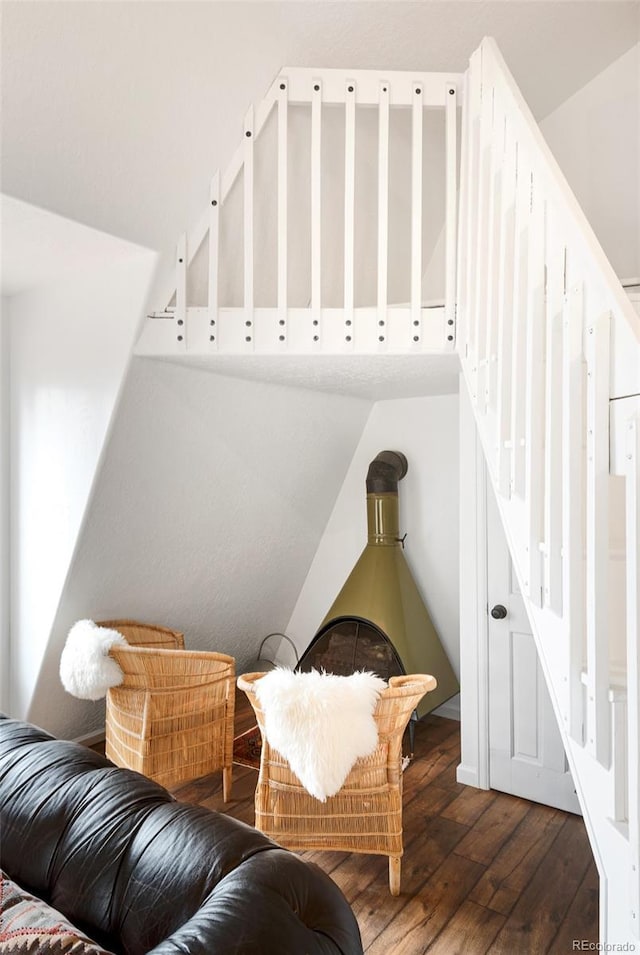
[372, 377]
[115, 114]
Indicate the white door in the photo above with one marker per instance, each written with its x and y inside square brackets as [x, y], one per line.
[526, 755]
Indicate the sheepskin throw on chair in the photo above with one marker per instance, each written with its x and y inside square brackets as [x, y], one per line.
[86, 669]
[306, 717]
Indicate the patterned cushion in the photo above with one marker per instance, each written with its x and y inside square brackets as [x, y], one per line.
[29, 926]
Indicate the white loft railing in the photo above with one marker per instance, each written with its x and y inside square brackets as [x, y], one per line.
[547, 338]
[378, 325]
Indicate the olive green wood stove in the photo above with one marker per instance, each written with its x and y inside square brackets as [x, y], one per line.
[379, 621]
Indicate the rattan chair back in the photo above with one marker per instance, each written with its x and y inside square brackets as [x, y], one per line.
[146, 634]
[172, 716]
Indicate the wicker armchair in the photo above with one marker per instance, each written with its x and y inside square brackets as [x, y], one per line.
[366, 814]
[172, 716]
[146, 634]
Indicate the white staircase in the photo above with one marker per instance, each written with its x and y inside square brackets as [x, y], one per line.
[315, 243]
[550, 350]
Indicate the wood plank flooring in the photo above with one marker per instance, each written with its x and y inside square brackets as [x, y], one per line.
[482, 871]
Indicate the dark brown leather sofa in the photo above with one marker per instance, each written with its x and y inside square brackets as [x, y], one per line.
[141, 873]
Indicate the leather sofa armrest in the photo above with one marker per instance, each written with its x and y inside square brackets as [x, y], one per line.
[251, 910]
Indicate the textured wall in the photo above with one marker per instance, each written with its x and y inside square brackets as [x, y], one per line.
[208, 510]
[426, 430]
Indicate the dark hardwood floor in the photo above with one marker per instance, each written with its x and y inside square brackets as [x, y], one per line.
[481, 872]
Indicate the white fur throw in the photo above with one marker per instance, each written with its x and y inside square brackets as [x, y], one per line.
[86, 669]
[320, 723]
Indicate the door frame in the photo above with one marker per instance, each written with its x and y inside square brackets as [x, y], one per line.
[473, 769]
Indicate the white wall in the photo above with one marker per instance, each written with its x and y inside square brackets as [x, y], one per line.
[70, 344]
[595, 136]
[209, 507]
[4, 504]
[426, 430]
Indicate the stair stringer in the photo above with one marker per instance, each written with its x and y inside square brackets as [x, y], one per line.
[547, 338]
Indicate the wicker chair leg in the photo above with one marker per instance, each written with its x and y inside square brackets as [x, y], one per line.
[227, 782]
[394, 874]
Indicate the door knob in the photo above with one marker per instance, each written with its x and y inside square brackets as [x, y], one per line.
[498, 612]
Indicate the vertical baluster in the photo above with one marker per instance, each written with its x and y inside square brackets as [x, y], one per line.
[349, 205]
[573, 583]
[214, 258]
[535, 399]
[619, 754]
[505, 313]
[597, 353]
[316, 200]
[493, 252]
[181, 291]
[474, 107]
[383, 199]
[283, 205]
[482, 249]
[553, 581]
[463, 264]
[416, 211]
[473, 264]
[451, 187]
[519, 355]
[248, 226]
[632, 518]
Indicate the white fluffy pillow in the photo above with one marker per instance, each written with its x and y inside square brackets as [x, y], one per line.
[86, 669]
[320, 723]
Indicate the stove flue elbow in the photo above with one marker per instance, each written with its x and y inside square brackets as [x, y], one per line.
[386, 469]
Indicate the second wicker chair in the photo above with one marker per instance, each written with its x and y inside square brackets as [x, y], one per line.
[171, 718]
[365, 815]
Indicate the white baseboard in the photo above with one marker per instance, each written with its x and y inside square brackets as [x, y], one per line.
[468, 776]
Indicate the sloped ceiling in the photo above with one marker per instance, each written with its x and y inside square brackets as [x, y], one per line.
[39, 247]
[373, 377]
[116, 114]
